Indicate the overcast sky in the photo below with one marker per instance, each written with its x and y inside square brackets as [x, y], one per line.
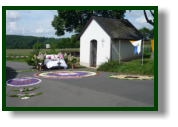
[38, 22]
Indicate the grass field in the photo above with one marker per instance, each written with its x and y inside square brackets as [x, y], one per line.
[147, 48]
[16, 59]
[147, 42]
[26, 52]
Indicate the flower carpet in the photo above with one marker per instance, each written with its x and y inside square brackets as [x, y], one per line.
[26, 81]
[25, 95]
[131, 77]
[66, 74]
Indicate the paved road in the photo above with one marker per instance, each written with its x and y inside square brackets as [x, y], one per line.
[98, 91]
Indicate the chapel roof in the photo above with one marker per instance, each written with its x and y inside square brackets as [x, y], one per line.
[116, 28]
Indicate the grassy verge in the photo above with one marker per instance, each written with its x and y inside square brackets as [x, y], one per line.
[131, 67]
[15, 59]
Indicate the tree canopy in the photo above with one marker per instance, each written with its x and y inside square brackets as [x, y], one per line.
[146, 32]
[30, 42]
[75, 20]
[26, 42]
[68, 42]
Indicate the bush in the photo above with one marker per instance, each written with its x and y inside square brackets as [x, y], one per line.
[78, 59]
[73, 60]
[108, 66]
[69, 64]
[29, 60]
[33, 59]
[66, 59]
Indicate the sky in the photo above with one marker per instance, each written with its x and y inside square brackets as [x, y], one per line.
[38, 22]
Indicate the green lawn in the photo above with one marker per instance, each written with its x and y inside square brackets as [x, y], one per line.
[131, 67]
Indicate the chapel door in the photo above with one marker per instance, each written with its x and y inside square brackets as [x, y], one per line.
[93, 53]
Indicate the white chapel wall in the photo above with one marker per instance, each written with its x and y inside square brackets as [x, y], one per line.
[94, 32]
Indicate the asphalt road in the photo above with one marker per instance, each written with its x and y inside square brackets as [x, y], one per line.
[98, 91]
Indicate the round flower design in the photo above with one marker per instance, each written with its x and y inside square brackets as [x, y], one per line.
[66, 74]
[131, 77]
[26, 81]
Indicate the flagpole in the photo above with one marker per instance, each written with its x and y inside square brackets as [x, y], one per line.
[142, 51]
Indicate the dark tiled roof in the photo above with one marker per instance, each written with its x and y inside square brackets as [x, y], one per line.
[117, 28]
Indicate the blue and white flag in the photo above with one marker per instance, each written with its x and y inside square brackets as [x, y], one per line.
[137, 46]
[135, 49]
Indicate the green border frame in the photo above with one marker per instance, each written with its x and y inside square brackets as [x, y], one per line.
[155, 108]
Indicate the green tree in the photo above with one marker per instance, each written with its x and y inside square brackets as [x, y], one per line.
[75, 20]
[52, 47]
[74, 42]
[59, 44]
[77, 45]
[146, 32]
[30, 60]
[37, 46]
[64, 43]
[67, 43]
[152, 34]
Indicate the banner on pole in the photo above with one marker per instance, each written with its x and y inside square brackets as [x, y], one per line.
[152, 44]
[135, 49]
[137, 46]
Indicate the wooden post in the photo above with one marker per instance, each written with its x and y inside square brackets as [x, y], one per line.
[37, 67]
[73, 66]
